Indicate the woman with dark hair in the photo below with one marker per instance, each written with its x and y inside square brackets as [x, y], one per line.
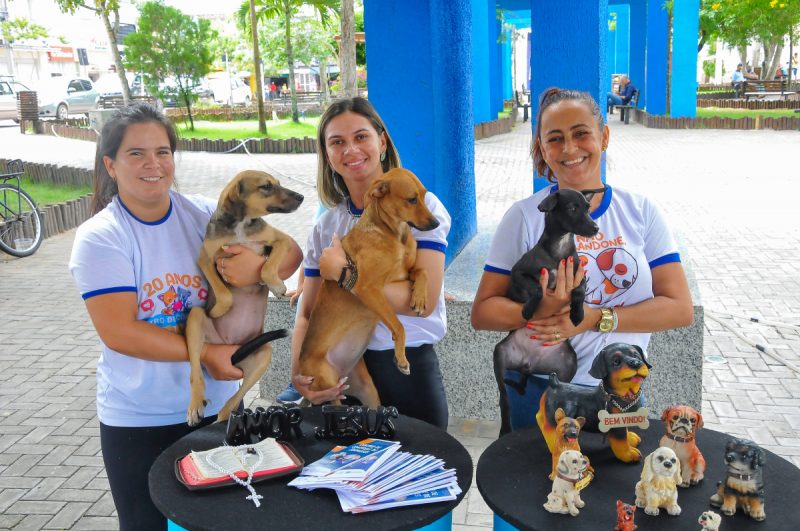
[354, 148]
[635, 281]
[135, 264]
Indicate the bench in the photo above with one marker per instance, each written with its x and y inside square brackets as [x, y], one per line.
[625, 110]
[117, 102]
[759, 88]
[525, 103]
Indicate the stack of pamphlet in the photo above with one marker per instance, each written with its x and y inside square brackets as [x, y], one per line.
[374, 474]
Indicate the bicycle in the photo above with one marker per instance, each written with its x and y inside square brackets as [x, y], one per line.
[20, 219]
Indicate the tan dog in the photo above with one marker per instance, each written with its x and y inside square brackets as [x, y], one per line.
[658, 486]
[709, 521]
[237, 314]
[682, 424]
[383, 249]
[565, 498]
[567, 431]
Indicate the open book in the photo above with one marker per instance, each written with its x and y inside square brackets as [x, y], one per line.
[213, 468]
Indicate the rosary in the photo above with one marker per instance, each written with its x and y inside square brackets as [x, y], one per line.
[240, 453]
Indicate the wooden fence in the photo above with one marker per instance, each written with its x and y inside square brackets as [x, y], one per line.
[758, 105]
[53, 173]
[759, 122]
[65, 216]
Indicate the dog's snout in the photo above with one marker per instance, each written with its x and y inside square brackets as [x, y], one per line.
[430, 225]
[634, 363]
[667, 464]
[297, 197]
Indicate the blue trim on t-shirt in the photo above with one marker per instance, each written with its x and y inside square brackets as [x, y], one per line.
[116, 289]
[666, 259]
[601, 208]
[436, 246]
[143, 222]
[492, 269]
[311, 272]
[352, 208]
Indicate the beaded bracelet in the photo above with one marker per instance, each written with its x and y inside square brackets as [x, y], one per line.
[350, 282]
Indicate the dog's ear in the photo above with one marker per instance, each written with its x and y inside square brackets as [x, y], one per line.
[559, 415]
[759, 458]
[581, 421]
[549, 202]
[665, 414]
[641, 355]
[562, 463]
[647, 469]
[599, 367]
[677, 475]
[699, 420]
[380, 189]
[619, 505]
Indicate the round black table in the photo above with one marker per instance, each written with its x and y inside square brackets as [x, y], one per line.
[513, 474]
[285, 507]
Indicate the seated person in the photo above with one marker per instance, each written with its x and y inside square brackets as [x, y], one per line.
[626, 90]
[737, 80]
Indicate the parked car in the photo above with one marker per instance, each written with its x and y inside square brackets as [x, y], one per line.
[109, 85]
[61, 96]
[229, 90]
[8, 97]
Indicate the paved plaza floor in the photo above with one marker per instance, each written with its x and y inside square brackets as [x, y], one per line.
[730, 195]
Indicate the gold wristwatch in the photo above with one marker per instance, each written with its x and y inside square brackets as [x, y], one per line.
[606, 322]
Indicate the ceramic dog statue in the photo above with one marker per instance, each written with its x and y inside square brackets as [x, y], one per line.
[709, 521]
[658, 487]
[565, 498]
[567, 431]
[682, 424]
[622, 369]
[566, 214]
[744, 480]
[625, 516]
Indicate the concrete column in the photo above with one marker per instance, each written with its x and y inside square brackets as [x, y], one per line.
[638, 47]
[656, 69]
[481, 102]
[506, 51]
[495, 63]
[420, 81]
[683, 90]
[559, 58]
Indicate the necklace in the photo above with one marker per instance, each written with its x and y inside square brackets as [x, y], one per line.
[237, 453]
[350, 207]
[612, 399]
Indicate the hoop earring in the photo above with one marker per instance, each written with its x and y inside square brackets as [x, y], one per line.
[383, 156]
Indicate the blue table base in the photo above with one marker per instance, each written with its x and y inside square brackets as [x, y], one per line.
[442, 524]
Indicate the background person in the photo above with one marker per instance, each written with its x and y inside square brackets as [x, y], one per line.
[737, 80]
[635, 281]
[626, 90]
[135, 265]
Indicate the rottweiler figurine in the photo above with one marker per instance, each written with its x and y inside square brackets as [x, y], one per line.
[622, 369]
[743, 487]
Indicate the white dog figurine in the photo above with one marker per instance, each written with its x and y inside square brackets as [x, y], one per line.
[658, 487]
[565, 498]
[709, 521]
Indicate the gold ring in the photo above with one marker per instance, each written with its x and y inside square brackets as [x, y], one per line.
[558, 335]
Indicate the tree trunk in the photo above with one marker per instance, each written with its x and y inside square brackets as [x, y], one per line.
[262, 119]
[772, 58]
[347, 51]
[290, 58]
[112, 33]
[323, 82]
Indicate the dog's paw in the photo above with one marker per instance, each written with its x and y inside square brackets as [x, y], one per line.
[685, 484]
[728, 511]
[277, 288]
[404, 368]
[574, 512]
[634, 439]
[758, 514]
[652, 511]
[715, 500]
[195, 414]
[222, 306]
[580, 504]
[674, 510]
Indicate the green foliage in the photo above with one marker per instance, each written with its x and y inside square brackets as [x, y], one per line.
[716, 112]
[361, 48]
[708, 68]
[739, 22]
[21, 28]
[239, 130]
[170, 45]
[51, 193]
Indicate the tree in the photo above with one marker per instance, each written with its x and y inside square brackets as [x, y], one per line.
[347, 50]
[170, 45]
[19, 28]
[262, 121]
[106, 10]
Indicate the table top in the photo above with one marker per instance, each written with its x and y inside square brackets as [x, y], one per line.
[285, 507]
[513, 474]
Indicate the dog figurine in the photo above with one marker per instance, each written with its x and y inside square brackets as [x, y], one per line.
[658, 486]
[565, 498]
[384, 250]
[682, 424]
[566, 213]
[622, 369]
[744, 480]
[709, 521]
[625, 516]
[567, 431]
[235, 316]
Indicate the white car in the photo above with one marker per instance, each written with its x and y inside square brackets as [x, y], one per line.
[8, 97]
[61, 96]
[229, 90]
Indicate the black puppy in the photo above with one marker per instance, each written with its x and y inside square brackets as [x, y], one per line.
[622, 369]
[744, 480]
[566, 214]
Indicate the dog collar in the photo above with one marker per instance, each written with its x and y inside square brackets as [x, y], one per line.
[612, 399]
[679, 438]
[743, 477]
[565, 478]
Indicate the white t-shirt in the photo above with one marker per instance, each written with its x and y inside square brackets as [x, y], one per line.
[116, 252]
[633, 239]
[419, 330]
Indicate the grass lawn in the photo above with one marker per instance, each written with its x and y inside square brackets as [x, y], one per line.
[239, 130]
[714, 112]
[47, 194]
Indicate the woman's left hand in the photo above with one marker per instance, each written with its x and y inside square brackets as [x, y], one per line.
[557, 328]
[240, 266]
[332, 260]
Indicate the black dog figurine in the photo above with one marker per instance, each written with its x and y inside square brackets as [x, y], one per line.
[566, 213]
[744, 480]
[277, 422]
[345, 422]
[622, 369]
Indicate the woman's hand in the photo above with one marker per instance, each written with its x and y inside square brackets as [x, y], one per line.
[555, 300]
[217, 360]
[303, 386]
[332, 260]
[240, 266]
[558, 328]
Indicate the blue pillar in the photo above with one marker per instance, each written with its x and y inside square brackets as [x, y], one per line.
[622, 58]
[683, 89]
[481, 106]
[611, 47]
[495, 62]
[508, 90]
[429, 114]
[568, 51]
[638, 39]
[656, 69]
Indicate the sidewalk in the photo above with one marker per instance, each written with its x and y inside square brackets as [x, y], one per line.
[725, 193]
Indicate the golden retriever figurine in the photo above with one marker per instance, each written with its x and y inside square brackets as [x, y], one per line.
[384, 250]
[658, 486]
[235, 316]
[709, 521]
[682, 424]
[565, 498]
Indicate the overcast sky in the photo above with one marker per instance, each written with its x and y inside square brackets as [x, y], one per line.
[206, 7]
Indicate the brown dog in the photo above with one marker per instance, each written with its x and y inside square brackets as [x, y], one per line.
[682, 424]
[567, 431]
[237, 314]
[384, 250]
